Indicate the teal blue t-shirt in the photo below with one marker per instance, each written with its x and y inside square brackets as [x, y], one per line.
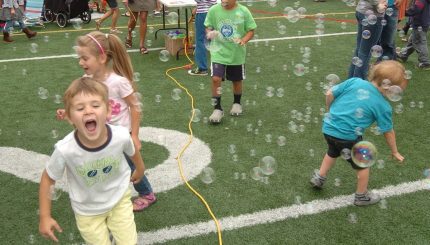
[357, 104]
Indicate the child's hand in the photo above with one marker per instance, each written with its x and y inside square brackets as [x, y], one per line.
[61, 114]
[137, 175]
[398, 156]
[211, 35]
[47, 226]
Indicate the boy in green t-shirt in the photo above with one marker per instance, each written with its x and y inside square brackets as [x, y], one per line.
[229, 26]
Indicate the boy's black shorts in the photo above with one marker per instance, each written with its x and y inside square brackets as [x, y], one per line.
[335, 147]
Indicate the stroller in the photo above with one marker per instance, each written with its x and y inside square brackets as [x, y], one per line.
[63, 10]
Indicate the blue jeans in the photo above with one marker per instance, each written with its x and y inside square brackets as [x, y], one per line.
[143, 187]
[388, 35]
[200, 51]
[362, 50]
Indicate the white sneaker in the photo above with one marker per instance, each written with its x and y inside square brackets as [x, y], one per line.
[236, 109]
[216, 116]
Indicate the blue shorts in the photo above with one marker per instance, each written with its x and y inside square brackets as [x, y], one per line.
[232, 73]
[335, 147]
[113, 4]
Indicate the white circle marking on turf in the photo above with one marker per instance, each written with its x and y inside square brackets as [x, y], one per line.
[29, 165]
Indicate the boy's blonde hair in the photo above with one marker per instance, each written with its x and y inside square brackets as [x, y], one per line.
[109, 44]
[87, 86]
[388, 69]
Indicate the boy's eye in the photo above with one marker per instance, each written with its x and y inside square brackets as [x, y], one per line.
[79, 108]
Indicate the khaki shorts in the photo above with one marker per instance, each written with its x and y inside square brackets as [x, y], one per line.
[119, 221]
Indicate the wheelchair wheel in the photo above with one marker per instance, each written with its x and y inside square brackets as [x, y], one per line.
[61, 20]
[48, 15]
[86, 16]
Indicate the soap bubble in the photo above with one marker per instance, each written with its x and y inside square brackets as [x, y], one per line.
[34, 47]
[176, 94]
[282, 29]
[57, 99]
[389, 11]
[281, 140]
[272, 3]
[372, 19]
[54, 194]
[363, 94]
[256, 173]
[366, 34]
[299, 70]
[394, 93]
[343, 25]
[408, 74]
[197, 115]
[376, 51]
[293, 16]
[136, 76]
[319, 18]
[43, 93]
[268, 165]
[345, 153]
[77, 24]
[172, 18]
[164, 55]
[357, 61]
[208, 175]
[364, 154]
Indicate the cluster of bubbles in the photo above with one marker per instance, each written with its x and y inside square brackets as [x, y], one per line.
[270, 92]
[301, 117]
[294, 15]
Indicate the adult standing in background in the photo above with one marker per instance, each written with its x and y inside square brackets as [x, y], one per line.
[200, 54]
[369, 15]
[389, 30]
[139, 10]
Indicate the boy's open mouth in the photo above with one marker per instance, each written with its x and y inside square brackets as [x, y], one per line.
[91, 125]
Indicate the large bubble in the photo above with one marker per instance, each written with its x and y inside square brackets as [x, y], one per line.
[364, 154]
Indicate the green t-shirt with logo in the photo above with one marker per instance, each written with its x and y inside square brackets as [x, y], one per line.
[232, 25]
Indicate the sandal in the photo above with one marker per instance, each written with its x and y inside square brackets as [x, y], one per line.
[143, 202]
[128, 42]
[143, 50]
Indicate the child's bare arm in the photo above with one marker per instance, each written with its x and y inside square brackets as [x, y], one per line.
[139, 167]
[134, 104]
[47, 225]
[328, 99]
[390, 138]
[247, 37]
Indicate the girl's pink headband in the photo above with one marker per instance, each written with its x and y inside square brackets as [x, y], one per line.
[102, 51]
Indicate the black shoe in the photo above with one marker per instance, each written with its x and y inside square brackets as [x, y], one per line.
[424, 67]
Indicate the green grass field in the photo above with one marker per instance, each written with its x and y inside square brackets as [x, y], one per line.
[27, 122]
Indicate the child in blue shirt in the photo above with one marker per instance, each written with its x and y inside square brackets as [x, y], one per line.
[353, 106]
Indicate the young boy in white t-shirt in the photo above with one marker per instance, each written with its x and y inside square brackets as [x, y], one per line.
[97, 173]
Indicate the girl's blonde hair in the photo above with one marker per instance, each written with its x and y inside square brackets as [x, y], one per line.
[85, 85]
[110, 45]
[388, 69]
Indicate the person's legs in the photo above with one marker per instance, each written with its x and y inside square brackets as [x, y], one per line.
[420, 45]
[115, 15]
[130, 27]
[388, 35]
[326, 164]
[362, 180]
[93, 229]
[364, 45]
[121, 222]
[200, 51]
[6, 34]
[143, 16]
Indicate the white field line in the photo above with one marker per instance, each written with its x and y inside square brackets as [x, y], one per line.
[160, 48]
[271, 215]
